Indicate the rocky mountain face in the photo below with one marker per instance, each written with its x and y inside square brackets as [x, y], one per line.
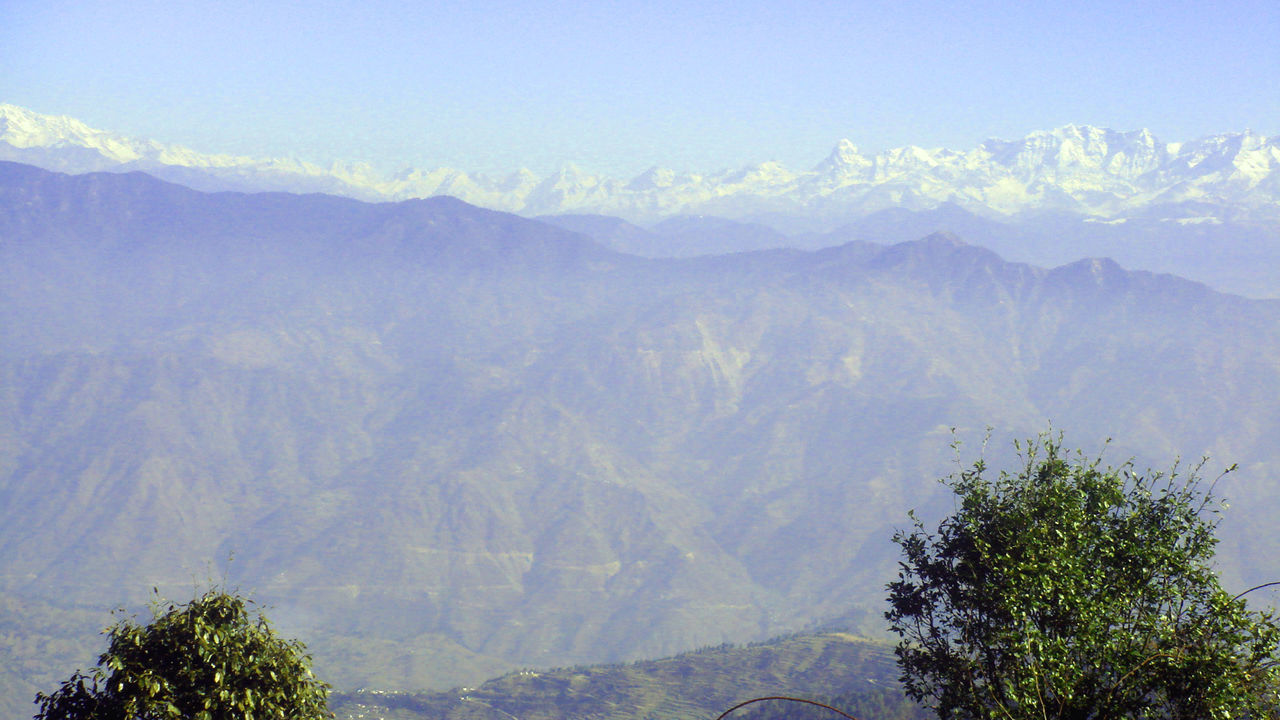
[440, 441]
[1082, 170]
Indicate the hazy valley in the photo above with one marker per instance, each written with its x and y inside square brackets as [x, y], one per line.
[441, 442]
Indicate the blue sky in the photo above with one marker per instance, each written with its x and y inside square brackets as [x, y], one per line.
[618, 87]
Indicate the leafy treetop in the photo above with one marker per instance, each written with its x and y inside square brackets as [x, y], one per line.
[205, 660]
[1070, 590]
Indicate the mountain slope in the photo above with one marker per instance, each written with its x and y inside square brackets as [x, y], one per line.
[441, 441]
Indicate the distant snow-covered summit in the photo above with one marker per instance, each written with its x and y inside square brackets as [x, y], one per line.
[1081, 170]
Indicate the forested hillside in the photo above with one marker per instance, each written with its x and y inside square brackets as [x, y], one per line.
[858, 675]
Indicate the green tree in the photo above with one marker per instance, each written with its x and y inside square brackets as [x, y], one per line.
[1073, 590]
[206, 660]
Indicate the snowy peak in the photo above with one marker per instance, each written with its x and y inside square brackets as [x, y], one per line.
[762, 175]
[1082, 169]
[844, 162]
[23, 129]
[1079, 149]
[655, 178]
[68, 145]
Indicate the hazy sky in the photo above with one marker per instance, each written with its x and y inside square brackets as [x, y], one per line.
[617, 87]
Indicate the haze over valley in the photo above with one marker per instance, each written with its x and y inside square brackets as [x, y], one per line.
[441, 441]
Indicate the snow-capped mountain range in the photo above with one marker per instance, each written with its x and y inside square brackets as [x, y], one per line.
[1077, 169]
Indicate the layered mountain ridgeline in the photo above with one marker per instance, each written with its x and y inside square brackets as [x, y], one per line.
[856, 675]
[443, 442]
[1092, 171]
[1208, 209]
[1232, 255]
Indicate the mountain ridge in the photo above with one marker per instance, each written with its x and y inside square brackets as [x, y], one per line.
[1089, 171]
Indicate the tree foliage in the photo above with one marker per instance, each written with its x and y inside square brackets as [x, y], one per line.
[1073, 590]
[206, 660]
